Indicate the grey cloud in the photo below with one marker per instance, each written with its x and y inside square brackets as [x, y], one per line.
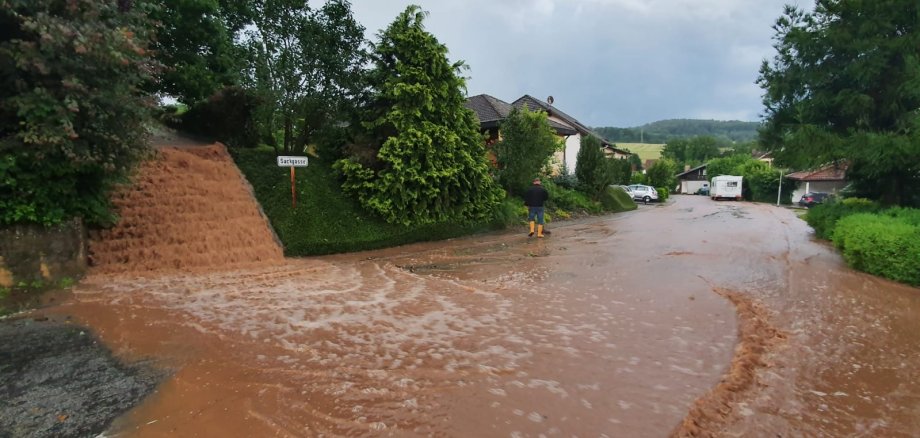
[606, 62]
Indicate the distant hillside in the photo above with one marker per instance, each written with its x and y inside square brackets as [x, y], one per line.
[664, 130]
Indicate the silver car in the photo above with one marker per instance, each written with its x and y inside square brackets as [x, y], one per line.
[643, 193]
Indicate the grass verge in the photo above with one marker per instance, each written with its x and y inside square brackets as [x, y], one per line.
[325, 221]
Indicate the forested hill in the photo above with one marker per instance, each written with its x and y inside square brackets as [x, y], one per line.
[664, 130]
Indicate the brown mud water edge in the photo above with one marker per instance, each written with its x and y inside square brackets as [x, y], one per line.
[188, 209]
[711, 412]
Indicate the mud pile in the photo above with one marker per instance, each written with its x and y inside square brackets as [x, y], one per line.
[187, 208]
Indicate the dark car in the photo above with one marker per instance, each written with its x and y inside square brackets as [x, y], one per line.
[703, 191]
[813, 198]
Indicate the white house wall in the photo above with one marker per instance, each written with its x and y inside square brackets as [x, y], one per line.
[690, 187]
[572, 145]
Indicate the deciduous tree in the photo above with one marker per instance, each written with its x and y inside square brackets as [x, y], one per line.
[692, 151]
[72, 116]
[195, 44]
[526, 147]
[844, 85]
[306, 63]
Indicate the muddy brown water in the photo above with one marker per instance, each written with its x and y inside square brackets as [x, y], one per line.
[697, 318]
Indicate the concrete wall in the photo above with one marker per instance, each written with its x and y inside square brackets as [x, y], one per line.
[33, 253]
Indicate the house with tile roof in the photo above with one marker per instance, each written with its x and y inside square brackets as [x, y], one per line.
[573, 142]
[491, 111]
[830, 178]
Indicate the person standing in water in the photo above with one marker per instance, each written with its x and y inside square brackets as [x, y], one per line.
[534, 199]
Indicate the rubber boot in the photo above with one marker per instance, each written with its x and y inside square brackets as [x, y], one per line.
[532, 223]
[539, 230]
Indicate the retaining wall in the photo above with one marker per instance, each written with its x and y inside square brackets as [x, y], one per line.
[33, 255]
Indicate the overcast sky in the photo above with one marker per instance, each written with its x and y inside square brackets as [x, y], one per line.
[617, 63]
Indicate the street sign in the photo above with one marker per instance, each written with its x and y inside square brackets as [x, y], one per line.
[292, 161]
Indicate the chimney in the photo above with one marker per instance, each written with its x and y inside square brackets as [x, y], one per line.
[686, 167]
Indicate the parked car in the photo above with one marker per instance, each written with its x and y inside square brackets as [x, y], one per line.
[643, 193]
[703, 190]
[813, 198]
[625, 189]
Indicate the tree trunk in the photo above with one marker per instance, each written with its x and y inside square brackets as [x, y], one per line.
[288, 133]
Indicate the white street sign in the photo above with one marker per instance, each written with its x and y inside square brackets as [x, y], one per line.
[292, 161]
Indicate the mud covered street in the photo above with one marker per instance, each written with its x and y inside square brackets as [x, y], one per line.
[692, 318]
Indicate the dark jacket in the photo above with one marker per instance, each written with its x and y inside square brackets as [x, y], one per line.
[535, 196]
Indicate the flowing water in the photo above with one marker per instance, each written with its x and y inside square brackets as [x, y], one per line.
[693, 319]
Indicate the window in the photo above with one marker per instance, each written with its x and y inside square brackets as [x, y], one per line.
[731, 184]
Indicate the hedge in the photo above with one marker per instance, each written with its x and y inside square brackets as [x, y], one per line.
[615, 200]
[824, 217]
[881, 244]
[325, 221]
[663, 193]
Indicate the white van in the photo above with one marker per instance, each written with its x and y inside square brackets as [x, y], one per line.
[725, 187]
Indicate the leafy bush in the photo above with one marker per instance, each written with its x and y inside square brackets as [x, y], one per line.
[72, 121]
[824, 217]
[566, 180]
[569, 200]
[638, 178]
[880, 245]
[663, 193]
[661, 174]
[511, 211]
[907, 215]
[615, 199]
[227, 116]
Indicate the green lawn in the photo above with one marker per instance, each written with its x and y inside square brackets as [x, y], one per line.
[646, 151]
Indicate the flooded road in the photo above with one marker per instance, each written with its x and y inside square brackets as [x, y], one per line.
[693, 318]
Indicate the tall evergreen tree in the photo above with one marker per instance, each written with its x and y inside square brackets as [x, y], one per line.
[592, 169]
[845, 86]
[431, 164]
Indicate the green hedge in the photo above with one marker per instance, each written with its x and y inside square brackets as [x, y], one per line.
[663, 193]
[325, 221]
[881, 244]
[615, 199]
[824, 217]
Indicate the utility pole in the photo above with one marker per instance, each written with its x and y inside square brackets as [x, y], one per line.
[779, 190]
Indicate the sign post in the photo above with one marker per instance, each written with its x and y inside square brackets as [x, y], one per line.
[292, 162]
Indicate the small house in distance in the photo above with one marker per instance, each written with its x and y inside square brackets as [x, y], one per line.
[693, 179]
[830, 178]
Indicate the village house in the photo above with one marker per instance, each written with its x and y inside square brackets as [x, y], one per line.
[830, 178]
[693, 179]
[491, 111]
